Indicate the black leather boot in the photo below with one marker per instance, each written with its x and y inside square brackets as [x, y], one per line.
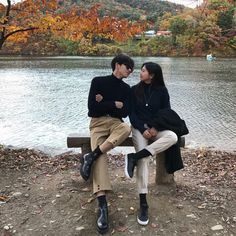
[130, 163]
[102, 221]
[87, 161]
[86, 165]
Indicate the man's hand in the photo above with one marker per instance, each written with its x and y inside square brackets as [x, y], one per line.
[99, 98]
[146, 134]
[119, 105]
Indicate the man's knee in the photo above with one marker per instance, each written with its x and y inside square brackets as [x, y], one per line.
[126, 129]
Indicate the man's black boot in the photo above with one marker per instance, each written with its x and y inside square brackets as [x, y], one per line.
[102, 221]
[87, 161]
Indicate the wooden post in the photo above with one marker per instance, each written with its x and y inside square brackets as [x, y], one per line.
[162, 177]
[85, 148]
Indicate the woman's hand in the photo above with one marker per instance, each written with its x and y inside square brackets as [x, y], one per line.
[119, 105]
[99, 98]
[153, 132]
[147, 134]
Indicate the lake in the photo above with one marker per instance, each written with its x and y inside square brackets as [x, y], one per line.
[43, 99]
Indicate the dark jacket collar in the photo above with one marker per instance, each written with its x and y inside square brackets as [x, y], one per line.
[115, 78]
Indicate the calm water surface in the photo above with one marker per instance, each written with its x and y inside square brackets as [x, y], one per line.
[44, 99]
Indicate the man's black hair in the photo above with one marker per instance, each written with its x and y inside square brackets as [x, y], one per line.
[122, 59]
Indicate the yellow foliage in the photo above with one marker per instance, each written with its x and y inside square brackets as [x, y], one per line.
[21, 37]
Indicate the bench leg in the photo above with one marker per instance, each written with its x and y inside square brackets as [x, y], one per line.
[162, 177]
[85, 148]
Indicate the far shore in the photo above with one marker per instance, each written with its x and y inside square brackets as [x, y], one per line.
[111, 55]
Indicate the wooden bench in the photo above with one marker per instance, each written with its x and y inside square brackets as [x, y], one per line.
[162, 177]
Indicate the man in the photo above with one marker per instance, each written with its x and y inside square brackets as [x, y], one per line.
[108, 103]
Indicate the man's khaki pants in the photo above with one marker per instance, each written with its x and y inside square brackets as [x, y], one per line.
[103, 129]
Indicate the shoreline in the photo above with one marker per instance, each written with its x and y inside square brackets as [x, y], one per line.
[74, 56]
[55, 152]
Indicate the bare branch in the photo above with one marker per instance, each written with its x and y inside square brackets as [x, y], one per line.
[20, 30]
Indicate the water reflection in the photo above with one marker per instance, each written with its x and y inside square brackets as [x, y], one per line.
[44, 99]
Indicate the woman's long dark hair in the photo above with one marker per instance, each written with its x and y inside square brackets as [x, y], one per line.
[157, 79]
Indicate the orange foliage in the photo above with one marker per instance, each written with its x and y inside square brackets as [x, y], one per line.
[41, 16]
[86, 23]
[18, 20]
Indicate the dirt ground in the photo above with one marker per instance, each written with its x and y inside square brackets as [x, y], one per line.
[40, 195]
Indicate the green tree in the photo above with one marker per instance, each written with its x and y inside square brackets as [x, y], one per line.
[177, 27]
[225, 19]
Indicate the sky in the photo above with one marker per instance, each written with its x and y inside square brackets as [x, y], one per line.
[187, 3]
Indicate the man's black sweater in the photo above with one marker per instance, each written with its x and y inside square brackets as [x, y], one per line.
[112, 89]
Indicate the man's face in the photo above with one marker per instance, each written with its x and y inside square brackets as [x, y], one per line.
[124, 70]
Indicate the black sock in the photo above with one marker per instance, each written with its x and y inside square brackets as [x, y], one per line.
[141, 154]
[102, 200]
[96, 152]
[142, 198]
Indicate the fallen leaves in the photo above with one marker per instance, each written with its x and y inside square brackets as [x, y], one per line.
[207, 174]
[211, 166]
[121, 228]
[26, 159]
[4, 198]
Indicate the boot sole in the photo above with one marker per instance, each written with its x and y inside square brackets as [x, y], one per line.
[126, 167]
[142, 222]
[82, 162]
[102, 231]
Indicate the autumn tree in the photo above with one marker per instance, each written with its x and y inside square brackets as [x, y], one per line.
[18, 20]
[88, 24]
[207, 28]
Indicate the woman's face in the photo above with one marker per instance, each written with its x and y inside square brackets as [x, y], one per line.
[145, 76]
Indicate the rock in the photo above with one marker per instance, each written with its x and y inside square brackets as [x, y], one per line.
[191, 216]
[6, 227]
[16, 194]
[217, 227]
[179, 206]
[80, 228]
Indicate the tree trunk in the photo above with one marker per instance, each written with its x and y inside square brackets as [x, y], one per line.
[1, 41]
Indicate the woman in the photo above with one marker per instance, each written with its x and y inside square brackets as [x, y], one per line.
[148, 97]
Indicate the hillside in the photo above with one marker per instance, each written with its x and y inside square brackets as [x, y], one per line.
[194, 32]
[130, 9]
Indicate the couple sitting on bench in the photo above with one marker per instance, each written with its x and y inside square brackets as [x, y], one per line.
[148, 106]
